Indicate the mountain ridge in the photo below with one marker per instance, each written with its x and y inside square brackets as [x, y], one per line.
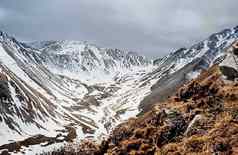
[204, 54]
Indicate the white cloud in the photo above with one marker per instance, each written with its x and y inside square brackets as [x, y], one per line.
[186, 19]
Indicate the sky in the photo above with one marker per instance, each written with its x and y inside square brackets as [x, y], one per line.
[153, 28]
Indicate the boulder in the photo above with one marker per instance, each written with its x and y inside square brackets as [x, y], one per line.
[229, 72]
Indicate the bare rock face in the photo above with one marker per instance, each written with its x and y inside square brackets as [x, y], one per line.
[4, 88]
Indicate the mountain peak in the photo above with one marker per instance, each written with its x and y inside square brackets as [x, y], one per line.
[77, 56]
[3, 35]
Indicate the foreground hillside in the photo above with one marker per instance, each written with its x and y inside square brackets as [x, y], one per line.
[202, 118]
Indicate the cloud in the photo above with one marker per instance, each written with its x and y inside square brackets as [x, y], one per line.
[153, 27]
[2, 14]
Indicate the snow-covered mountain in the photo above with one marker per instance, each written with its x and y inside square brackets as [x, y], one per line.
[73, 57]
[45, 89]
[180, 66]
[47, 86]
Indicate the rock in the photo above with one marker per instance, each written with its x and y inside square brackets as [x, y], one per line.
[235, 48]
[192, 124]
[229, 72]
[4, 152]
[222, 147]
[5, 93]
[229, 66]
[132, 144]
[72, 134]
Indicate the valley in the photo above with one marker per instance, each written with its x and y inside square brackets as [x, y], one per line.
[49, 86]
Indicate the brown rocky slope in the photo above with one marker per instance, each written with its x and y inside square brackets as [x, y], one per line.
[201, 119]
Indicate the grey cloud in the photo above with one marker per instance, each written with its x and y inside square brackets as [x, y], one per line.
[151, 27]
[2, 14]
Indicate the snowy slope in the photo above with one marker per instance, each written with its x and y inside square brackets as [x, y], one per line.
[39, 100]
[80, 59]
[180, 66]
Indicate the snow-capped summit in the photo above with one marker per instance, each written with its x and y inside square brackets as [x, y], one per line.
[209, 50]
[4, 37]
[3, 34]
[78, 57]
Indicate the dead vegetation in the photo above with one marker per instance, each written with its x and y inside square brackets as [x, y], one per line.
[201, 119]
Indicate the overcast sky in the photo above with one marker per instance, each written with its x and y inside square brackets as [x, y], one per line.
[151, 27]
